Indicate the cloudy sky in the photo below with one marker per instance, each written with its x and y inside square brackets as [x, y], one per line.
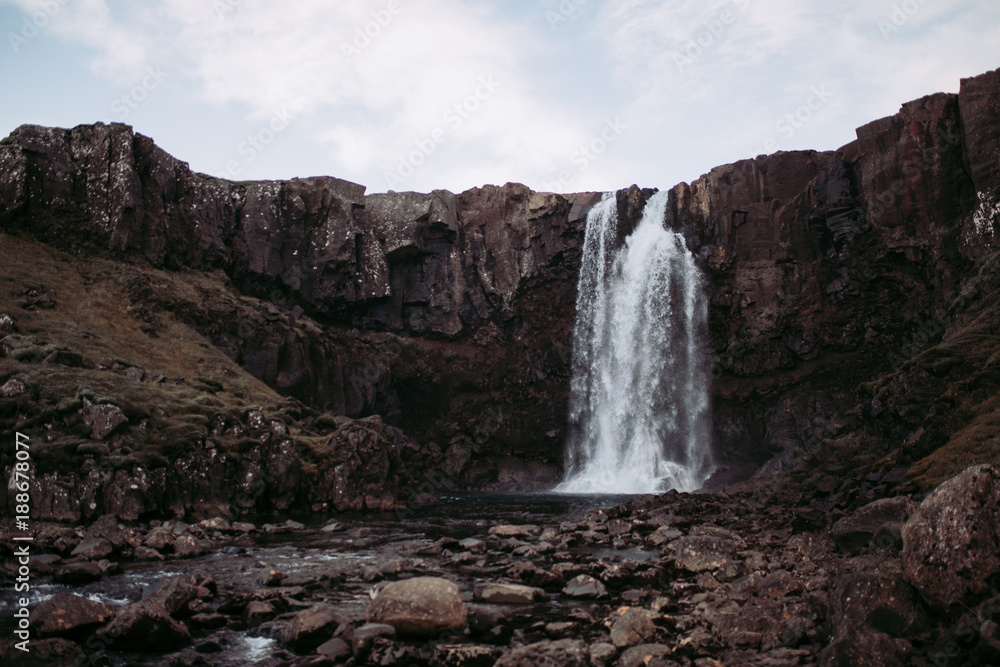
[563, 95]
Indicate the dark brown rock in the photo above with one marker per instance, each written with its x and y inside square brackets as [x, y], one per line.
[69, 615]
[107, 527]
[336, 650]
[311, 628]
[175, 594]
[700, 553]
[633, 627]
[643, 654]
[950, 543]
[363, 638]
[584, 586]
[509, 594]
[54, 652]
[465, 655]
[145, 627]
[880, 602]
[423, 606]
[93, 548]
[567, 652]
[78, 574]
[103, 420]
[852, 533]
[12, 388]
[257, 612]
[865, 648]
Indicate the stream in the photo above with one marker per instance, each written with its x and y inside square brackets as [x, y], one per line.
[361, 546]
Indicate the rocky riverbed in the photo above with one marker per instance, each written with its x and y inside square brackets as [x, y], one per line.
[801, 569]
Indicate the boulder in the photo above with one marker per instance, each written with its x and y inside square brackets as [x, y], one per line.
[311, 628]
[564, 653]
[175, 594]
[854, 532]
[93, 548]
[107, 527]
[465, 655]
[950, 543]
[860, 647]
[363, 638]
[159, 538]
[633, 627]
[507, 530]
[258, 611]
[365, 467]
[584, 586]
[53, 652]
[145, 553]
[881, 602]
[187, 546]
[335, 651]
[12, 388]
[700, 553]
[422, 606]
[102, 419]
[78, 574]
[644, 654]
[68, 615]
[509, 594]
[601, 654]
[145, 627]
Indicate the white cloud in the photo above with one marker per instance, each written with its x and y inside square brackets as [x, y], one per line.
[121, 52]
[698, 83]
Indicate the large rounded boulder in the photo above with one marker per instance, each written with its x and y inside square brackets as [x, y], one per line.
[419, 607]
[951, 544]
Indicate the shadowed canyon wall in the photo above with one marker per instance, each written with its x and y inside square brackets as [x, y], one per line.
[451, 315]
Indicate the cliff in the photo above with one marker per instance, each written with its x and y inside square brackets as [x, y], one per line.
[450, 315]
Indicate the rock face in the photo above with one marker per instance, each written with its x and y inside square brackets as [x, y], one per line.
[425, 263]
[423, 607]
[950, 544]
[473, 294]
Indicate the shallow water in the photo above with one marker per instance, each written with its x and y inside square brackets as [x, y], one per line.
[364, 539]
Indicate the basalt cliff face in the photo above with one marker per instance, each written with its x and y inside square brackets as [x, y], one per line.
[450, 316]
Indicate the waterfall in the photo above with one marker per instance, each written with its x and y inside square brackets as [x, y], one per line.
[639, 405]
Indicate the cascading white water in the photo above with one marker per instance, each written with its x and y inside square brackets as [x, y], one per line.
[639, 405]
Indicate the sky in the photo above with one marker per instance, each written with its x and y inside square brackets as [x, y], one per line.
[561, 95]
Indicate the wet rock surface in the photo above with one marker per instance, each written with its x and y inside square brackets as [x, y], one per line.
[547, 580]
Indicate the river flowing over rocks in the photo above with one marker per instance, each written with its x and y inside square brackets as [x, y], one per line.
[751, 575]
